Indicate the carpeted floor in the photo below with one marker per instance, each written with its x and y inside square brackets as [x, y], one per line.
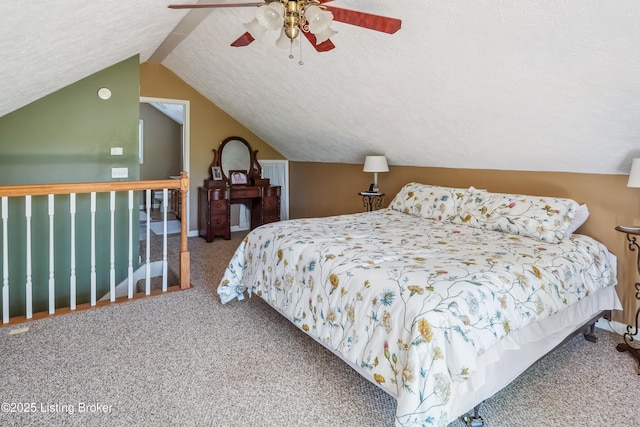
[185, 359]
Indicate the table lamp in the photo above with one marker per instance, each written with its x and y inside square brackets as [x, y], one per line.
[377, 164]
[634, 175]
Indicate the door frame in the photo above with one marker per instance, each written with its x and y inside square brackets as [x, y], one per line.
[186, 150]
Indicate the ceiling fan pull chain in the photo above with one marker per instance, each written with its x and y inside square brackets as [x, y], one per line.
[300, 62]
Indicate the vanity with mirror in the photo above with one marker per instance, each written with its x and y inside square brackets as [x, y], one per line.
[235, 178]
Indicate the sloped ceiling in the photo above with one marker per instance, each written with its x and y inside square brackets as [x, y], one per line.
[518, 85]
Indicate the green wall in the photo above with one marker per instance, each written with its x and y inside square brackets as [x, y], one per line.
[67, 137]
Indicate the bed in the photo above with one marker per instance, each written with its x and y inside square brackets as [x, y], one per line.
[441, 299]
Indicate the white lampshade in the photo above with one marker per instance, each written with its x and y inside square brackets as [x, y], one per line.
[284, 42]
[325, 35]
[271, 17]
[255, 29]
[318, 19]
[375, 164]
[634, 175]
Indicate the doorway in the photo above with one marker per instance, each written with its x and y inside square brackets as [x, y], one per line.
[177, 111]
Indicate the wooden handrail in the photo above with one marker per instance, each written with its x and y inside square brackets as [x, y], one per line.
[90, 187]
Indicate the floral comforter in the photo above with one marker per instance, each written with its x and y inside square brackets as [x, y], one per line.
[411, 301]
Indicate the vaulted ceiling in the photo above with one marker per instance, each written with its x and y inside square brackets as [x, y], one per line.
[517, 85]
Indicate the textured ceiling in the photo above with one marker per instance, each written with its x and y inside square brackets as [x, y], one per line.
[518, 85]
[46, 45]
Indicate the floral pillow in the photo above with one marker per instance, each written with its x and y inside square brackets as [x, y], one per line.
[543, 218]
[430, 201]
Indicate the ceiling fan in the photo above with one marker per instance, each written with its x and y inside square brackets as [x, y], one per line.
[312, 18]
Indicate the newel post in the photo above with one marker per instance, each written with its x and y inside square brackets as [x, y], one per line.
[185, 262]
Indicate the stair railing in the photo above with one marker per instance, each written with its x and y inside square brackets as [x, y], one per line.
[177, 187]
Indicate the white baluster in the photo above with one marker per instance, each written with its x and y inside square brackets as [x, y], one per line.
[130, 269]
[165, 196]
[93, 248]
[52, 281]
[28, 285]
[72, 278]
[147, 264]
[5, 260]
[112, 252]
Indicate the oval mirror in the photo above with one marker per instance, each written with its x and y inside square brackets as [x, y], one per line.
[235, 155]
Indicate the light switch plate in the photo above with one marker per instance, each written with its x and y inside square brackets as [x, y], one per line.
[119, 172]
[117, 151]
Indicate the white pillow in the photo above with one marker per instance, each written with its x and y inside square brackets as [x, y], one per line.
[543, 218]
[582, 213]
[429, 201]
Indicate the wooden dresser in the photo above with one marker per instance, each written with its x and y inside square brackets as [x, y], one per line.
[214, 208]
[235, 179]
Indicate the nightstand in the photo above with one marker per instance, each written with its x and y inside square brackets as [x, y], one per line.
[371, 200]
[632, 233]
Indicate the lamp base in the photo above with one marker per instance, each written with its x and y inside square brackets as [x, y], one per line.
[373, 188]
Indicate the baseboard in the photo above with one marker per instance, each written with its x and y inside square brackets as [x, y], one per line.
[611, 326]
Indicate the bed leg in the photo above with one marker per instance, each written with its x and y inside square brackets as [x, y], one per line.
[590, 333]
[475, 420]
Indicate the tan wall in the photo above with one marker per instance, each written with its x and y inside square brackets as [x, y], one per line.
[209, 126]
[322, 189]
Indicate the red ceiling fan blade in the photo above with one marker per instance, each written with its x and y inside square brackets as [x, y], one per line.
[365, 20]
[244, 40]
[325, 46]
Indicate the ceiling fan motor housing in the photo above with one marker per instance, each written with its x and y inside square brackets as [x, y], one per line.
[292, 19]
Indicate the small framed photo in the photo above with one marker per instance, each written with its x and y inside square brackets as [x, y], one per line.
[216, 173]
[238, 177]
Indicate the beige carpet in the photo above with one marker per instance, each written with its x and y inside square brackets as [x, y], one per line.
[185, 359]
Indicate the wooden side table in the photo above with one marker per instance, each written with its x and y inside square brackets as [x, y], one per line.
[371, 201]
[632, 234]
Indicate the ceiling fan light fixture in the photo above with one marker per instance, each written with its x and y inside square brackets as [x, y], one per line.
[284, 41]
[318, 19]
[311, 12]
[254, 28]
[325, 35]
[271, 16]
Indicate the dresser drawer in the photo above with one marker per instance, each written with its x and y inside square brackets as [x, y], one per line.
[271, 204]
[245, 192]
[217, 193]
[218, 221]
[274, 191]
[271, 217]
[270, 209]
[218, 207]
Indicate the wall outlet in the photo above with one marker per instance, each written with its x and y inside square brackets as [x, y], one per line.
[119, 172]
[117, 151]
